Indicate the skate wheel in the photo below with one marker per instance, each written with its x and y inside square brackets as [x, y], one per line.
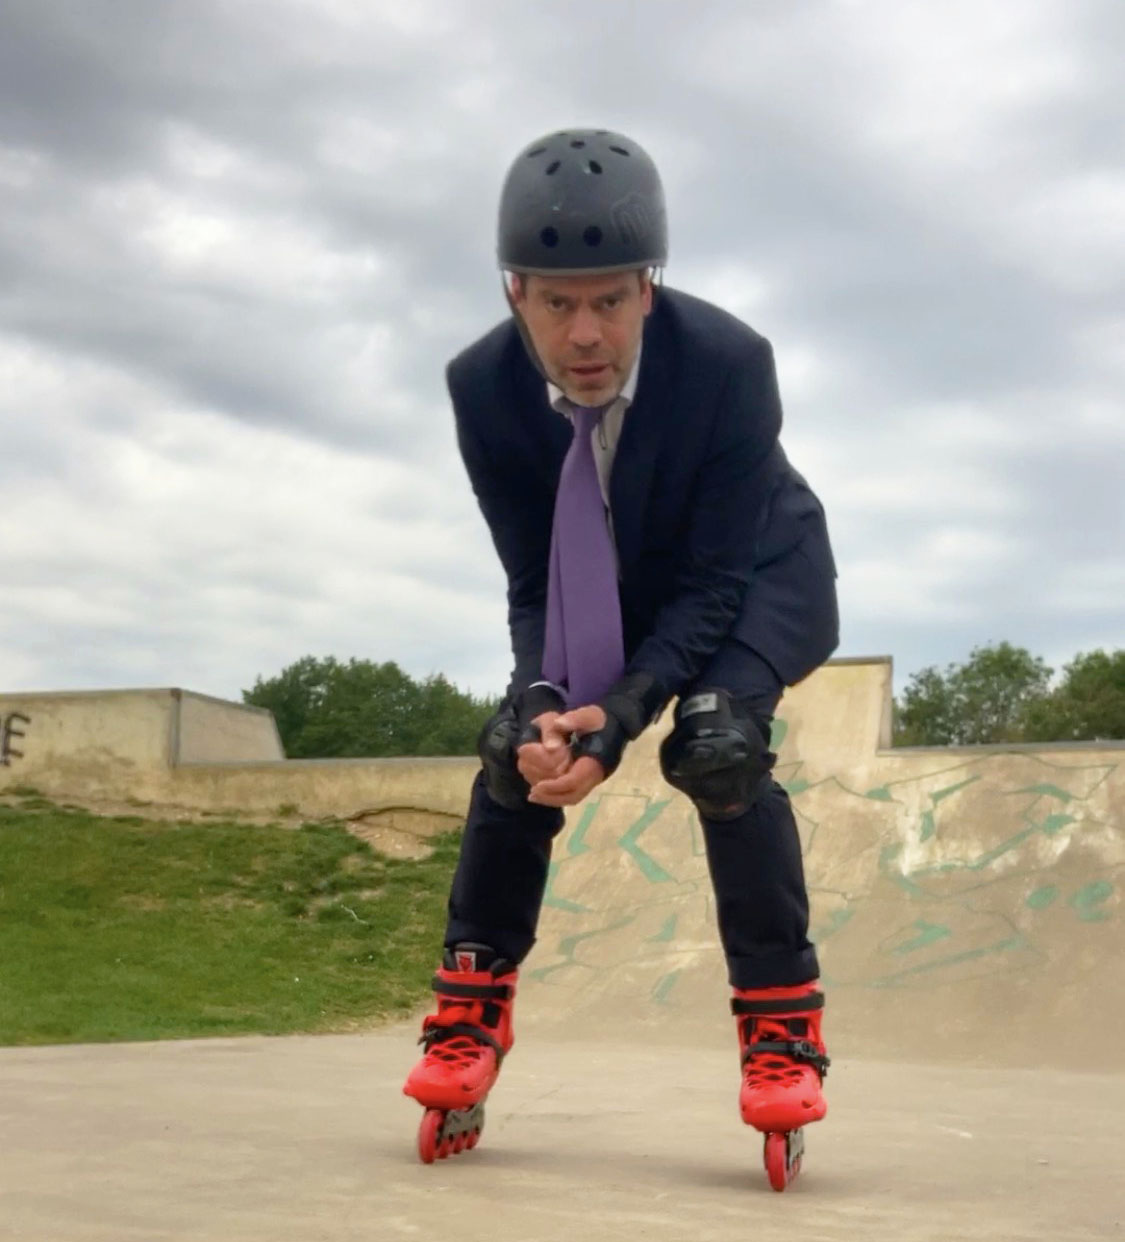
[473, 1139]
[459, 1144]
[776, 1160]
[428, 1132]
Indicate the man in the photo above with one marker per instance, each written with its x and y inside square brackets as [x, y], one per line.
[622, 442]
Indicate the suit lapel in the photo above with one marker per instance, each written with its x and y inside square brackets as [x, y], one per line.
[646, 423]
[545, 426]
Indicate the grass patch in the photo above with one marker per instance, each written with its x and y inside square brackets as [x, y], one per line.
[127, 928]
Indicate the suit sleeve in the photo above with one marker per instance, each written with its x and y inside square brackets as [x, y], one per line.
[510, 502]
[742, 467]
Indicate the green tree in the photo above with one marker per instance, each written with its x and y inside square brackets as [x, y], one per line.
[924, 716]
[986, 699]
[1088, 704]
[326, 709]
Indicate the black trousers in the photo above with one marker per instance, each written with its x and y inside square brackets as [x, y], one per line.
[754, 862]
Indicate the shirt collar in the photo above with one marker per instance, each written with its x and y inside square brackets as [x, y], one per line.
[560, 402]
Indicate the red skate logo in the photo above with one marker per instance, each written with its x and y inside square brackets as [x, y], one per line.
[466, 961]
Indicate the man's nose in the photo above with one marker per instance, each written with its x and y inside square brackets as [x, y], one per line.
[585, 328]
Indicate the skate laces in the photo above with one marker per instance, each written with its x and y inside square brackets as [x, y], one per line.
[770, 1063]
[777, 1051]
[454, 1035]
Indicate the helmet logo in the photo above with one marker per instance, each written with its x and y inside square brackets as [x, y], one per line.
[631, 219]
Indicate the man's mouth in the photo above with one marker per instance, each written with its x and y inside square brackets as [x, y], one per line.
[587, 370]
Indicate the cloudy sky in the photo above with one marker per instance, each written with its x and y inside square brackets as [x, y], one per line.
[239, 240]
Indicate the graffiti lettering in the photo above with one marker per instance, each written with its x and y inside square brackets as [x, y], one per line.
[9, 729]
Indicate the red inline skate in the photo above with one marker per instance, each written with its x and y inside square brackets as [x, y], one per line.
[783, 1064]
[465, 1042]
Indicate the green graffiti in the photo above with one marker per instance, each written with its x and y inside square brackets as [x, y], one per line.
[663, 986]
[1085, 901]
[577, 843]
[778, 733]
[955, 959]
[666, 933]
[560, 903]
[650, 868]
[881, 794]
[1056, 823]
[837, 919]
[928, 828]
[1042, 897]
[1046, 791]
[942, 794]
[1005, 847]
[569, 944]
[887, 855]
[928, 933]
[794, 787]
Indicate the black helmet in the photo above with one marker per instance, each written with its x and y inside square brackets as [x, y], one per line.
[582, 201]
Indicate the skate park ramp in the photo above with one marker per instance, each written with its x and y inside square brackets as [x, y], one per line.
[967, 908]
[966, 902]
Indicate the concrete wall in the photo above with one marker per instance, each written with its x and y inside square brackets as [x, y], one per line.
[215, 731]
[123, 743]
[193, 753]
[81, 741]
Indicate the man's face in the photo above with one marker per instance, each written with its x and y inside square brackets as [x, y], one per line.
[585, 329]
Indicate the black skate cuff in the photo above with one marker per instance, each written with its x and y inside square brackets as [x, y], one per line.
[769, 1006]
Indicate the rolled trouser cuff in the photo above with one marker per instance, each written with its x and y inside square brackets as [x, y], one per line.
[776, 969]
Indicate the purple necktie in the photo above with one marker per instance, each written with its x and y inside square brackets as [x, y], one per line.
[583, 647]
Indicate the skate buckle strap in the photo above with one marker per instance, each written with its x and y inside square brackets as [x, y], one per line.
[441, 1034]
[471, 991]
[769, 1007]
[799, 1049]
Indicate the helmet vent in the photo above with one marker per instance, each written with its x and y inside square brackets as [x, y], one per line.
[549, 237]
[592, 236]
[537, 151]
[619, 150]
[594, 166]
[553, 168]
[577, 143]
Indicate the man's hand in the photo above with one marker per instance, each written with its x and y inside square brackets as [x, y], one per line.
[577, 779]
[548, 758]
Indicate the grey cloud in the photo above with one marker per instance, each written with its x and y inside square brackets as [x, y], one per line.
[367, 136]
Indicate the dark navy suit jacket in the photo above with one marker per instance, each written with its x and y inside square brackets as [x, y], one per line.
[718, 537]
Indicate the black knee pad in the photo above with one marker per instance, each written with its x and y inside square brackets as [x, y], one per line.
[504, 734]
[718, 754]
[497, 746]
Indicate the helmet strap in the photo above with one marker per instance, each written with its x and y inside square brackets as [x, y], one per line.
[521, 327]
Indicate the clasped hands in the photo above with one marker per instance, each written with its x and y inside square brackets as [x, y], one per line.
[556, 777]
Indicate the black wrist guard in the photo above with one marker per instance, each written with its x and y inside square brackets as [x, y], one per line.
[533, 702]
[504, 734]
[630, 706]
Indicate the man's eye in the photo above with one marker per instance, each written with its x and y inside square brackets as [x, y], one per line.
[556, 304]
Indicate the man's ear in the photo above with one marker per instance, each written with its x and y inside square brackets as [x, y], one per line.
[516, 290]
[646, 292]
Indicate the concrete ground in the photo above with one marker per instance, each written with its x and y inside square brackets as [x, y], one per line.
[308, 1138]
